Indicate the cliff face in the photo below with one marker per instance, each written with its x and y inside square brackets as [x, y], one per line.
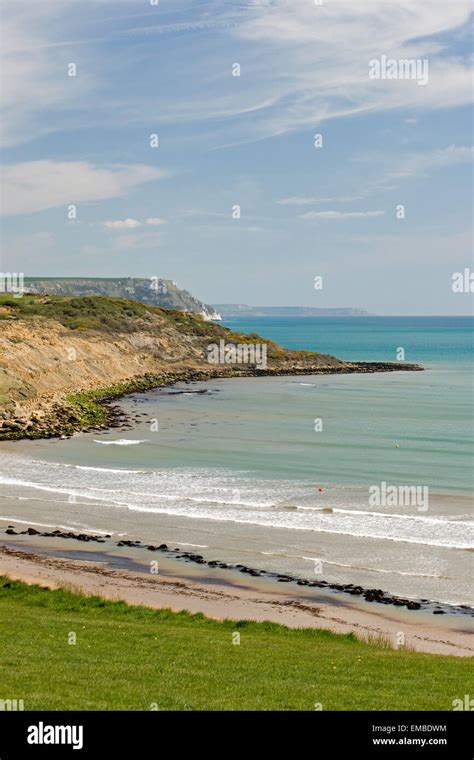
[153, 291]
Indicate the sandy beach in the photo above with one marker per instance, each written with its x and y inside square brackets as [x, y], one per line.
[225, 594]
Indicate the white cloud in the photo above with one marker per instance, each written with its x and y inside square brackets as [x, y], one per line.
[34, 79]
[393, 170]
[34, 186]
[340, 214]
[131, 224]
[321, 56]
[417, 164]
[122, 224]
[302, 64]
[154, 221]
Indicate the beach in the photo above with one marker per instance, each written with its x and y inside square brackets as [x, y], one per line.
[234, 471]
[127, 574]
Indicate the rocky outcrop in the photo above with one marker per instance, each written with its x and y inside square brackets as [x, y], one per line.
[377, 596]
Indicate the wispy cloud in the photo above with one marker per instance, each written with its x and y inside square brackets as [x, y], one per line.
[301, 200]
[35, 82]
[423, 164]
[154, 221]
[394, 170]
[340, 214]
[122, 224]
[34, 186]
[323, 54]
[131, 224]
[319, 68]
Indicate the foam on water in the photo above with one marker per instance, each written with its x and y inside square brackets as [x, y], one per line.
[235, 497]
[121, 442]
[73, 527]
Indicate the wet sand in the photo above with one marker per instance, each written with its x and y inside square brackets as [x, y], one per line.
[126, 574]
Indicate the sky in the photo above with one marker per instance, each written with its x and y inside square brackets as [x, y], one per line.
[243, 148]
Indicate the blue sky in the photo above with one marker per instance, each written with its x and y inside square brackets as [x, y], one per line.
[247, 140]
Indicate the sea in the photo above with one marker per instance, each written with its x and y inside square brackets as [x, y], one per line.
[359, 478]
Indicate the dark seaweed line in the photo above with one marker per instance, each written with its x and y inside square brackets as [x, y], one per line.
[370, 595]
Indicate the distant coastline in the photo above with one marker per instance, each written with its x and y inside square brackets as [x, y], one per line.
[244, 310]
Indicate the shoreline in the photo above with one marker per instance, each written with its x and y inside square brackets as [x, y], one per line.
[370, 577]
[179, 555]
[183, 580]
[93, 410]
[253, 599]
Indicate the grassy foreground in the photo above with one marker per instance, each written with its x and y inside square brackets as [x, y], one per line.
[135, 658]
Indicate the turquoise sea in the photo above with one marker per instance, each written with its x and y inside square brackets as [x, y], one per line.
[242, 470]
[439, 340]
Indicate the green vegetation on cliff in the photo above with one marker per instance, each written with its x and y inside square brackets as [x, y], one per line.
[116, 315]
[97, 313]
[122, 316]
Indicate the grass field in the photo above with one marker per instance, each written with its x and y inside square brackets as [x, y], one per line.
[135, 658]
